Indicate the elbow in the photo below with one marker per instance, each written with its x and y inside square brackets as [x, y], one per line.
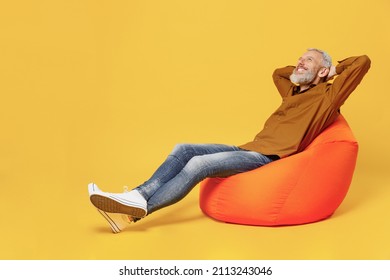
[366, 61]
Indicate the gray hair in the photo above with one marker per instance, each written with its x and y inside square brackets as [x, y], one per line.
[326, 59]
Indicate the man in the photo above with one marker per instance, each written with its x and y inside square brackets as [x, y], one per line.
[309, 104]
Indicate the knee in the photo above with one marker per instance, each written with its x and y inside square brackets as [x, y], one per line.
[196, 164]
[180, 149]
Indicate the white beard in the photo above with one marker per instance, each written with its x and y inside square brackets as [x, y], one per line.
[302, 79]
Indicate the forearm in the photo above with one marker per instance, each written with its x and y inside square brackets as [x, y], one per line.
[346, 63]
[283, 73]
[360, 63]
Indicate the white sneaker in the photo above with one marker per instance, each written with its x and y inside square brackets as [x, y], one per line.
[116, 221]
[129, 203]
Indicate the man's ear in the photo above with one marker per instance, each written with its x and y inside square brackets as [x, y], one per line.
[323, 72]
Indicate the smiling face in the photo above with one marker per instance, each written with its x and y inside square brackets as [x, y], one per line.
[309, 69]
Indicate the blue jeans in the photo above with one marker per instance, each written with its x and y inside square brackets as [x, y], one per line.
[189, 164]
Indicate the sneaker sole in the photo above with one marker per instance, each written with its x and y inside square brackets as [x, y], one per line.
[112, 206]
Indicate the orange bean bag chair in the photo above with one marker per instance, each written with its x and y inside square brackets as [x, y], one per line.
[303, 188]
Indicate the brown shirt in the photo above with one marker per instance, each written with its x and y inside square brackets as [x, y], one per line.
[302, 116]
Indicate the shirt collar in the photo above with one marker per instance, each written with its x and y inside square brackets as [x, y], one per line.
[297, 89]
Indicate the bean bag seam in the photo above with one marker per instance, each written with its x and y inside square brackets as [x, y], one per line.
[330, 142]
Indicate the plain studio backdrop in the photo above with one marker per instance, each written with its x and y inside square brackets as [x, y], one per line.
[102, 91]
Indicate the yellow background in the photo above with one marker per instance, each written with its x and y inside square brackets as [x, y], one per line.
[102, 90]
